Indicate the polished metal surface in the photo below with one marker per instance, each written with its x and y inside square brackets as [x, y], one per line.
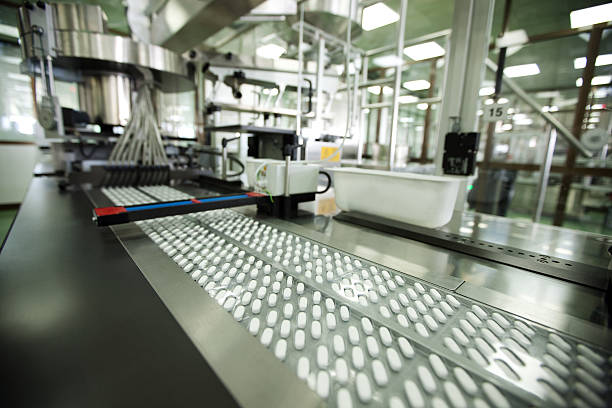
[183, 24]
[522, 361]
[561, 305]
[68, 16]
[107, 98]
[252, 375]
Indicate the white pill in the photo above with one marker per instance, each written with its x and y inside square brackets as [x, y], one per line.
[316, 297]
[316, 312]
[582, 349]
[276, 287]
[323, 384]
[322, 357]
[285, 329]
[412, 314]
[420, 307]
[301, 320]
[256, 306]
[493, 394]
[339, 345]
[453, 301]
[412, 294]
[330, 305]
[288, 310]
[372, 346]
[330, 320]
[479, 312]
[342, 371]
[421, 329]
[266, 336]
[286, 293]
[366, 325]
[364, 390]
[590, 367]
[441, 317]
[353, 335]
[303, 303]
[357, 358]
[344, 313]
[271, 319]
[385, 336]
[415, 398]
[466, 382]
[239, 313]
[393, 359]
[229, 304]
[454, 395]
[452, 345]
[261, 292]
[280, 350]
[299, 339]
[438, 366]
[299, 288]
[430, 322]
[405, 347]
[401, 319]
[593, 399]
[272, 299]
[303, 368]
[477, 357]
[380, 373]
[343, 398]
[428, 300]
[427, 380]
[385, 312]
[254, 326]
[315, 330]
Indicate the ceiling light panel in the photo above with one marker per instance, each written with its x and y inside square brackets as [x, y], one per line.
[597, 80]
[591, 15]
[518, 71]
[423, 51]
[603, 59]
[377, 15]
[418, 85]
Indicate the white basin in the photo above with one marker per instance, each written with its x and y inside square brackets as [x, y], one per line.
[418, 199]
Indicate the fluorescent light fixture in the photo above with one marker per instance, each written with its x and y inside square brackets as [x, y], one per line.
[423, 51]
[406, 120]
[489, 101]
[548, 94]
[377, 15]
[597, 106]
[594, 120]
[9, 31]
[550, 108]
[506, 126]
[518, 71]
[533, 142]
[387, 61]
[600, 93]
[510, 111]
[591, 15]
[524, 121]
[597, 80]
[502, 101]
[407, 99]
[603, 59]
[418, 85]
[486, 91]
[418, 128]
[375, 89]
[387, 90]
[271, 51]
[422, 106]
[591, 126]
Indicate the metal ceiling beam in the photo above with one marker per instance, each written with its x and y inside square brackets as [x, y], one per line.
[182, 24]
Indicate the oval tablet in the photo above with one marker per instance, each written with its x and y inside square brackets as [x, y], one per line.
[299, 339]
[315, 330]
[322, 356]
[342, 371]
[339, 345]
[364, 390]
[380, 373]
[280, 350]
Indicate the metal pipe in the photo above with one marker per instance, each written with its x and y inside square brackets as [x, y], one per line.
[287, 163]
[398, 83]
[545, 172]
[363, 113]
[320, 69]
[409, 41]
[224, 162]
[538, 108]
[298, 119]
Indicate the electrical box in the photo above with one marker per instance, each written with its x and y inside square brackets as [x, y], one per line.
[460, 153]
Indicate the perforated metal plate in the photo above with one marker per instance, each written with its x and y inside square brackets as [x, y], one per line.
[361, 334]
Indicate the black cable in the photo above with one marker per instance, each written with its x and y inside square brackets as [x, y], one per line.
[239, 163]
[329, 182]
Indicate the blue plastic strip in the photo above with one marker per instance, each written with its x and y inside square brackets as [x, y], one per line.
[180, 203]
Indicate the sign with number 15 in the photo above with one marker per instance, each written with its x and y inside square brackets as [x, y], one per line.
[493, 113]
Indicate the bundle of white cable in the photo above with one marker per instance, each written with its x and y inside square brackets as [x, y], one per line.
[141, 142]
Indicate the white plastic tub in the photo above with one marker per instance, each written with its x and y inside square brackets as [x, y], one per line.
[418, 199]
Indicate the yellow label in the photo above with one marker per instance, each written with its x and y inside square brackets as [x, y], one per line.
[327, 151]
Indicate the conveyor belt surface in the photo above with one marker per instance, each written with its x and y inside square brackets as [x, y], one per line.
[361, 334]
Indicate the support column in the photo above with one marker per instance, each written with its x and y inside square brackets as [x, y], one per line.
[583, 96]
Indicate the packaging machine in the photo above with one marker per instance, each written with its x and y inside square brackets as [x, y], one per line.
[256, 311]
